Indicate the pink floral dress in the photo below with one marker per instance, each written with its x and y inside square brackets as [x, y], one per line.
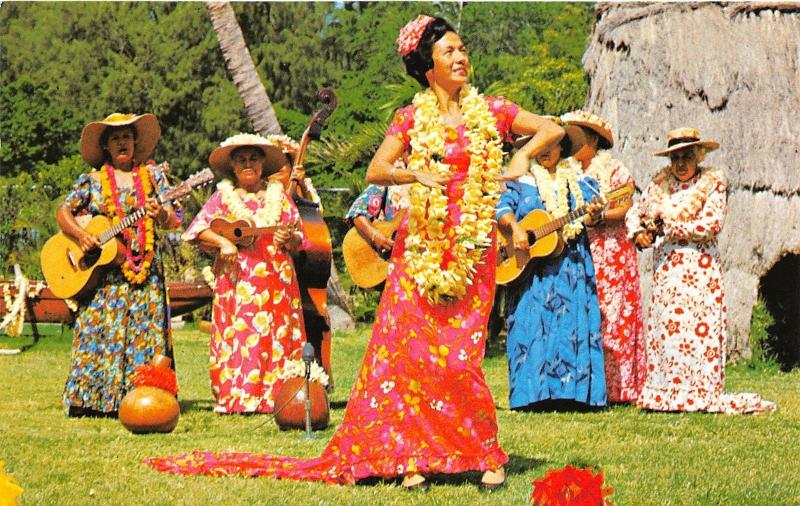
[420, 402]
[687, 326]
[614, 257]
[257, 321]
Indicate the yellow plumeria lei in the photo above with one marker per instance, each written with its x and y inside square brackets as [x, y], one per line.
[427, 238]
[556, 196]
[600, 169]
[109, 198]
[9, 487]
[267, 215]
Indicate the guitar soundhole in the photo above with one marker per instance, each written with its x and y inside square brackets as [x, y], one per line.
[90, 258]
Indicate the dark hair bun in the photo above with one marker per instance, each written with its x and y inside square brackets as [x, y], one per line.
[420, 60]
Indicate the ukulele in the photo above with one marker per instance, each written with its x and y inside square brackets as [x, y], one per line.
[70, 272]
[367, 265]
[543, 236]
[654, 227]
[244, 232]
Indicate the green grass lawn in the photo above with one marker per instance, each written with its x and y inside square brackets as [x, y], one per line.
[648, 458]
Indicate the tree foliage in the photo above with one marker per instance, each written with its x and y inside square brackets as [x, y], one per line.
[66, 64]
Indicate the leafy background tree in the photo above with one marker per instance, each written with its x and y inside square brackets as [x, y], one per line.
[66, 64]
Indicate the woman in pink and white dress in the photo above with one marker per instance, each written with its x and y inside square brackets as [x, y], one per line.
[687, 325]
[614, 257]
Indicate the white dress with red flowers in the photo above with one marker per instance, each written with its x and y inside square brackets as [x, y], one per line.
[687, 327]
[614, 257]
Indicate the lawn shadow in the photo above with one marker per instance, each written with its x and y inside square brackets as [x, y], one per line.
[338, 405]
[559, 406]
[516, 465]
[196, 405]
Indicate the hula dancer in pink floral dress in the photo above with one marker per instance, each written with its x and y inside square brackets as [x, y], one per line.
[257, 321]
[420, 404]
[680, 214]
[615, 264]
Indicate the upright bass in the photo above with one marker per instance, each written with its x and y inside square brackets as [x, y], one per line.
[313, 263]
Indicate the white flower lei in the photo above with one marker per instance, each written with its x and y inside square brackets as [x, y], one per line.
[689, 202]
[14, 320]
[267, 215]
[600, 169]
[427, 239]
[208, 276]
[556, 196]
[297, 369]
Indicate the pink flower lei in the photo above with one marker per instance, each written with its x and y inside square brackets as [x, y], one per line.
[410, 35]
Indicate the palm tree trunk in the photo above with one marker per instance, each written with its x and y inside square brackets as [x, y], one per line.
[257, 105]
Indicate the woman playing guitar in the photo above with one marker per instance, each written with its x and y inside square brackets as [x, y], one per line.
[554, 344]
[123, 323]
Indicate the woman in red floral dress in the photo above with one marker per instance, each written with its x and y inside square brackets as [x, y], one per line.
[687, 326]
[257, 321]
[615, 264]
[420, 403]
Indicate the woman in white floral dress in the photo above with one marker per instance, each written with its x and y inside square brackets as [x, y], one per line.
[687, 326]
[614, 258]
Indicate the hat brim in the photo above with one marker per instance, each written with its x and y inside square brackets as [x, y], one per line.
[148, 131]
[606, 136]
[220, 158]
[708, 145]
[574, 134]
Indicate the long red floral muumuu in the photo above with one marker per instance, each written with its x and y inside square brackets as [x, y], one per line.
[420, 402]
[257, 322]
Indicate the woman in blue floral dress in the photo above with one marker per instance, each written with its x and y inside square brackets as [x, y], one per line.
[554, 343]
[125, 321]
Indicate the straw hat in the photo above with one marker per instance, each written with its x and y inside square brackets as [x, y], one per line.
[684, 137]
[147, 128]
[574, 136]
[220, 158]
[592, 122]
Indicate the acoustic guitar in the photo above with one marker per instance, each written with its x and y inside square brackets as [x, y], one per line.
[71, 273]
[368, 266]
[543, 236]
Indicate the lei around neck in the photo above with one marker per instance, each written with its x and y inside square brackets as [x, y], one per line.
[428, 238]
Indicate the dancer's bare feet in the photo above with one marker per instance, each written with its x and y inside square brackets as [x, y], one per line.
[414, 481]
[493, 479]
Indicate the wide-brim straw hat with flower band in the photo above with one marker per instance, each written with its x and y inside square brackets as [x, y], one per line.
[148, 131]
[574, 135]
[685, 137]
[592, 122]
[220, 158]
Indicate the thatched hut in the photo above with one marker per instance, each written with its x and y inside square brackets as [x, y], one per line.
[733, 72]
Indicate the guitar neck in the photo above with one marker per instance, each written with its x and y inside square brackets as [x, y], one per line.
[122, 225]
[176, 193]
[556, 224]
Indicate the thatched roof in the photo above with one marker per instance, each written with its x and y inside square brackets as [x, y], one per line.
[733, 72]
[702, 65]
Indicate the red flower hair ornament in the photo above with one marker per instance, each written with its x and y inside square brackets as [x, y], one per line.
[410, 35]
[570, 487]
